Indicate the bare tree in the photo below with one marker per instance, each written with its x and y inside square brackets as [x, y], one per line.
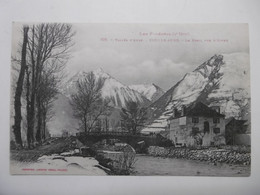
[48, 50]
[19, 90]
[133, 117]
[45, 97]
[87, 103]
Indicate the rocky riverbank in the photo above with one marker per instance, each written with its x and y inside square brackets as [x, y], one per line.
[116, 156]
[212, 155]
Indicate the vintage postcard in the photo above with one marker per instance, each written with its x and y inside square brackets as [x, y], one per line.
[130, 99]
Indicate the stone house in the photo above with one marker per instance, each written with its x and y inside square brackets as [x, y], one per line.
[237, 132]
[196, 125]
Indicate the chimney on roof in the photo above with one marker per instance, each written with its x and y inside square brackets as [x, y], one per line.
[183, 110]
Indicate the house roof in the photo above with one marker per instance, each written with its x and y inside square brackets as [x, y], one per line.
[198, 109]
[227, 120]
[235, 121]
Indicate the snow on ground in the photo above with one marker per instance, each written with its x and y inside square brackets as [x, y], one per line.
[57, 164]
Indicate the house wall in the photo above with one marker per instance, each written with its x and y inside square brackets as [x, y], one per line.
[243, 139]
[181, 132]
[237, 133]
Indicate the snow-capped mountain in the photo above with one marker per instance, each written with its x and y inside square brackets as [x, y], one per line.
[223, 80]
[114, 90]
[151, 91]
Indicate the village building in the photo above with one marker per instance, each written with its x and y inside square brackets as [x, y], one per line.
[237, 132]
[196, 125]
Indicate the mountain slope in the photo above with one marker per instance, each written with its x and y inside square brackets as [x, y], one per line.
[222, 81]
[118, 93]
[151, 91]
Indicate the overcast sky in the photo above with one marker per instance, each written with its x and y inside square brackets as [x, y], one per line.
[159, 62]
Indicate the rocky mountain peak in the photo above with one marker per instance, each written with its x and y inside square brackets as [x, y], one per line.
[101, 73]
[222, 81]
[113, 89]
[210, 66]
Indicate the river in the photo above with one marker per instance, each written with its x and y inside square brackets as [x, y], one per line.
[149, 165]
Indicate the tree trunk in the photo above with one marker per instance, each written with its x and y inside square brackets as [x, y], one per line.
[85, 123]
[28, 105]
[30, 97]
[44, 125]
[135, 129]
[30, 113]
[30, 129]
[19, 90]
[106, 124]
[39, 122]
[35, 78]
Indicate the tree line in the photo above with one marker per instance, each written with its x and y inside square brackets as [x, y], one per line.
[90, 107]
[44, 52]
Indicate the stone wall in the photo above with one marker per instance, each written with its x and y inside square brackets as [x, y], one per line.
[213, 155]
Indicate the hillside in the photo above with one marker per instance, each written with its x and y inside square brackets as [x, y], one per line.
[223, 81]
[151, 91]
[114, 90]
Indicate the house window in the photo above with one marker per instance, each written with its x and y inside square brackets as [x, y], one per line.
[216, 120]
[216, 130]
[206, 127]
[195, 119]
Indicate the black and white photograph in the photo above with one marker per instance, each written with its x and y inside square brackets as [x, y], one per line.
[130, 99]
